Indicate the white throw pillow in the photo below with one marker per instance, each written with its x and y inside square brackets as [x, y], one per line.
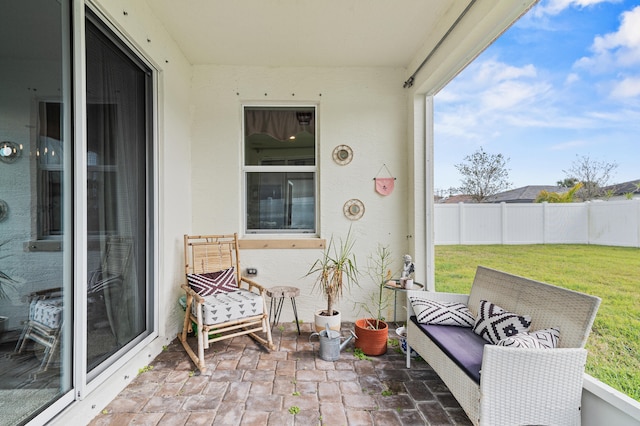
[541, 339]
[494, 323]
[441, 313]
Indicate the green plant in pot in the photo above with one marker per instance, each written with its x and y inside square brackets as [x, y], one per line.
[372, 332]
[336, 272]
[8, 292]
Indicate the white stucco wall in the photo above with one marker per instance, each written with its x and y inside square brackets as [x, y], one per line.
[363, 108]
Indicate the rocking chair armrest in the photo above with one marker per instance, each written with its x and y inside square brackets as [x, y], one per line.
[191, 292]
[253, 284]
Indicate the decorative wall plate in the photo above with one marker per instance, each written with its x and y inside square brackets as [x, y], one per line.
[9, 151]
[342, 154]
[353, 209]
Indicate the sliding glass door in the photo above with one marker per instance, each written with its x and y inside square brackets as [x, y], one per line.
[119, 194]
[56, 221]
[36, 208]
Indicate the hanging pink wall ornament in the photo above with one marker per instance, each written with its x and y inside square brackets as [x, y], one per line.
[384, 186]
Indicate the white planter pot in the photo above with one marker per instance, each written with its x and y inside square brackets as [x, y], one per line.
[401, 333]
[322, 320]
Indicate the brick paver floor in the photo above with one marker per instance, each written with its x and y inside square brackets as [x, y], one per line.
[246, 385]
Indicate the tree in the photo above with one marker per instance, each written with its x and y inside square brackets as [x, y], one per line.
[593, 174]
[567, 182]
[483, 174]
[556, 197]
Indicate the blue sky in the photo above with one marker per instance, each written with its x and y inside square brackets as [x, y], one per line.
[563, 82]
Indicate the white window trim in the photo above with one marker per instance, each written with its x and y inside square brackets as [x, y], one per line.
[244, 169]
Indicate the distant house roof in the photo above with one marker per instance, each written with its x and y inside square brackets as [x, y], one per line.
[462, 198]
[525, 194]
[624, 188]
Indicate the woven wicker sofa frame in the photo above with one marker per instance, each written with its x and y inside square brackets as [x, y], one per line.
[518, 386]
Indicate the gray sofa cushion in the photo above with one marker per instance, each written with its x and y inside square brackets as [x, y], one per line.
[460, 344]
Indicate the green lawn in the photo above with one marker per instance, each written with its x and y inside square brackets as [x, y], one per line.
[611, 273]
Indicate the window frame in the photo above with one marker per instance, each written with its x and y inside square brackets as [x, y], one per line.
[246, 169]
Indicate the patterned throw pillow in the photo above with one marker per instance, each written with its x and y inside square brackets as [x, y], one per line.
[494, 323]
[541, 339]
[441, 313]
[213, 282]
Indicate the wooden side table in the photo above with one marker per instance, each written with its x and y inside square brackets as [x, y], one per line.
[277, 295]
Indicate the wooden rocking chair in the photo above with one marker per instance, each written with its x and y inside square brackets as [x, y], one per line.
[216, 303]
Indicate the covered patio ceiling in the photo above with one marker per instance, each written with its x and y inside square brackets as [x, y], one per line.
[337, 33]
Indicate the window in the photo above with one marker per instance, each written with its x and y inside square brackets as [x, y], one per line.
[101, 171]
[280, 169]
[49, 157]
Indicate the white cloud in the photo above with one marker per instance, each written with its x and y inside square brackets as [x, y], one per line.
[569, 145]
[627, 88]
[509, 94]
[492, 86]
[617, 49]
[484, 77]
[554, 7]
[493, 72]
[571, 78]
[625, 43]
[489, 94]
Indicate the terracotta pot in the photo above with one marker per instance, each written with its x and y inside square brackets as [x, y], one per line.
[333, 320]
[371, 342]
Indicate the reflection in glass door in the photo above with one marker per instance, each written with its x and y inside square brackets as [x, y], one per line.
[38, 195]
[36, 287]
[118, 194]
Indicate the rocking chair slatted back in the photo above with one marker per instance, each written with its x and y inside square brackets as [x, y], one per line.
[211, 253]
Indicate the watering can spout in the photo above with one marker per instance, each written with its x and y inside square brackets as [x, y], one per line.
[348, 340]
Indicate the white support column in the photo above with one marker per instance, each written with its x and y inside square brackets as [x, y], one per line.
[429, 194]
[420, 213]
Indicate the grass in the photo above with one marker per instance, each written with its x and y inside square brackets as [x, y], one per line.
[611, 273]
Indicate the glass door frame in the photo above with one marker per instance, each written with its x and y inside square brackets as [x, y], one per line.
[85, 383]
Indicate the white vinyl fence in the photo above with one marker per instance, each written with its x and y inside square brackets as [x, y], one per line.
[612, 223]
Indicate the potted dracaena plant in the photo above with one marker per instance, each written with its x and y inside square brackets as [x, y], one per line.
[372, 332]
[336, 272]
[8, 292]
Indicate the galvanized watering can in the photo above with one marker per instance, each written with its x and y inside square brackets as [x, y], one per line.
[330, 346]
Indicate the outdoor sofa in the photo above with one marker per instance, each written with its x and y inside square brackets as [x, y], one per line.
[507, 385]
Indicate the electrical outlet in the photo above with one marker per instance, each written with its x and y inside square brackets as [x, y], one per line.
[252, 271]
